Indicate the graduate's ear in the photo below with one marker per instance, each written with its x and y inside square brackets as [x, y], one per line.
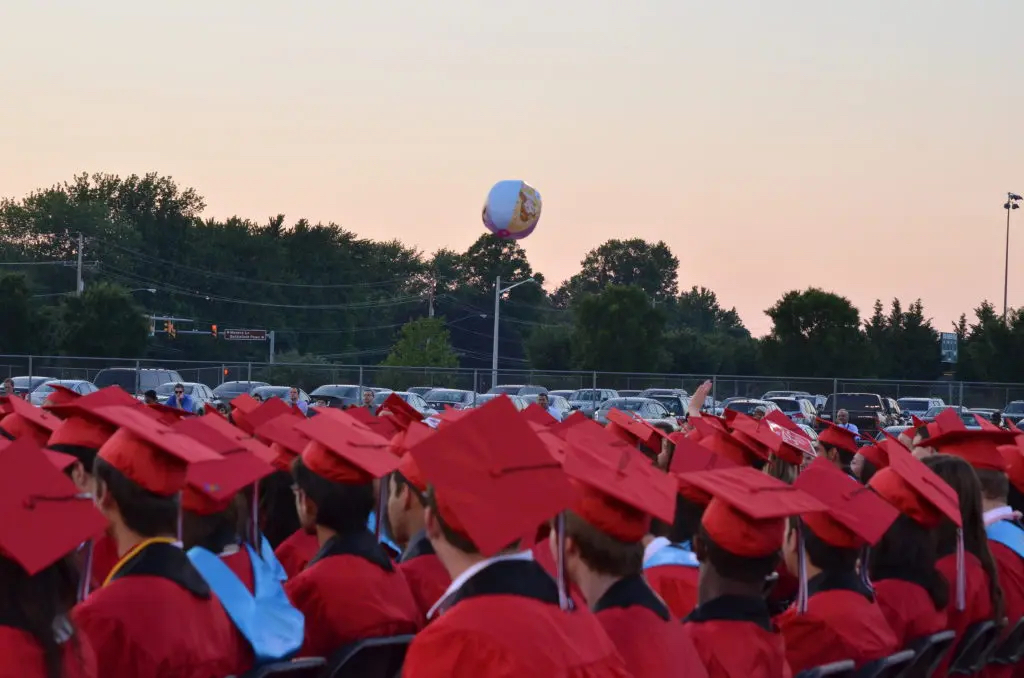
[571, 547]
[433, 527]
[700, 549]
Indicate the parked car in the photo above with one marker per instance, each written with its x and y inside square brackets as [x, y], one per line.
[990, 413]
[557, 402]
[651, 392]
[23, 386]
[282, 392]
[200, 394]
[866, 410]
[771, 395]
[417, 403]
[589, 400]
[933, 412]
[893, 412]
[748, 405]
[421, 391]
[1014, 412]
[800, 410]
[894, 431]
[135, 381]
[677, 405]
[517, 389]
[455, 398]
[565, 393]
[229, 390]
[517, 400]
[79, 386]
[647, 409]
[917, 407]
[338, 395]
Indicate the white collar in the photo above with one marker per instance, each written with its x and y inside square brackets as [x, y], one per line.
[656, 545]
[472, 571]
[995, 515]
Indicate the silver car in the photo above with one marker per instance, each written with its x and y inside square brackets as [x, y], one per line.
[649, 410]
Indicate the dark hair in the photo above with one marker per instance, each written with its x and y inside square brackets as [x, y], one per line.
[686, 524]
[995, 485]
[144, 512]
[278, 517]
[867, 471]
[961, 477]
[339, 507]
[731, 566]
[39, 602]
[212, 531]
[601, 552]
[85, 455]
[908, 551]
[823, 555]
[401, 481]
[149, 394]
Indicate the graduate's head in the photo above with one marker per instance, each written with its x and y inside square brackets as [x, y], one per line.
[980, 449]
[335, 473]
[691, 501]
[26, 421]
[407, 500]
[908, 551]
[839, 444]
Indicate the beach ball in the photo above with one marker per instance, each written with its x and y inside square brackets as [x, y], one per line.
[512, 209]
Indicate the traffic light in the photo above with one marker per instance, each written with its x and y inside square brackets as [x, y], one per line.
[213, 331]
[167, 326]
[170, 330]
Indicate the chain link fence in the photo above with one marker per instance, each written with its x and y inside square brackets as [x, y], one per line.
[308, 376]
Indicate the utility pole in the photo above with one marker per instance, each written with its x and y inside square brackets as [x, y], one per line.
[498, 291]
[430, 301]
[1012, 203]
[270, 338]
[79, 285]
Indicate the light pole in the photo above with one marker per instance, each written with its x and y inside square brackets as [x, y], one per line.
[1012, 203]
[498, 291]
[151, 290]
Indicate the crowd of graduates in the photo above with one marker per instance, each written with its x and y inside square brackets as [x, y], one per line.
[141, 541]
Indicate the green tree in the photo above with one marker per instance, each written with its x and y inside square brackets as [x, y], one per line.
[816, 334]
[17, 329]
[104, 321]
[650, 266]
[422, 343]
[698, 309]
[550, 347]
[618, 330]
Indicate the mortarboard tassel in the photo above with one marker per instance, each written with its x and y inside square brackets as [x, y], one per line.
[254, 516]
[181, 521]
[382, 505]
[961, 575]
[564, 601]
[801, 571]
[83, 584]
[865, 576]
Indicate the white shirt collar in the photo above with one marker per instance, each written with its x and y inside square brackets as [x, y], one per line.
[995, 515]
[656, 545]
[461, 580]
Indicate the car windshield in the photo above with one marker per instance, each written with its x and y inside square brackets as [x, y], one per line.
[745, 406]
[624, 404]
[507, 390]
[936, 411]
[913, 403]
[48, 387]
[168, 389]
[440, 395]
[671, 403]
[336, 391]
[1016, 407]
[281, 392]
[787, 405]
[383, 395]
[123, 378]
[585, 394]
[854, 401]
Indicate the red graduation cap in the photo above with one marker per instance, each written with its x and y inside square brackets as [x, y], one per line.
[450, 415]
[537, 414]
[838, 437]
[856, 516]
[1013, 456]
[618, 491]
[286, 442]
[403, 412]
[986, 424]
[386, 427]
[717, 438]
[270, 409]
[401, 444]
[878, 452]
[779, 419]
[691, 457]
[148, 453]
[790, 447]
[916, 421]
[81, 427]
[345, 452]
[166, 414]
[557, 445]
[916, 490]
[60, 460]
[576, 418]
[222, 426]
[638, 430]
[45, 518]
[60, 395]
[27, 421]
[494, 479]
[746, 515]
[980, 449]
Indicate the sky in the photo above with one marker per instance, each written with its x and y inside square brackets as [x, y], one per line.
[863, 147]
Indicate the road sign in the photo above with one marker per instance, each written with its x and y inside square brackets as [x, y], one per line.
[948, 342]
[244, 335]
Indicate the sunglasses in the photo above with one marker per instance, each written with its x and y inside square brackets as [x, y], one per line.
[178, 392]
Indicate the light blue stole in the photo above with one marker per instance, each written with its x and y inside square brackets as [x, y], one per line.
[371, 525]
[1009, 534]
[267, 619]
[673, 554]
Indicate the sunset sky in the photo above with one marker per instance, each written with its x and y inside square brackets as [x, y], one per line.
[864, 147]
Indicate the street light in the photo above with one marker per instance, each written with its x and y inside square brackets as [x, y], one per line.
[151, 290]
[498, 291]
[1012, 203]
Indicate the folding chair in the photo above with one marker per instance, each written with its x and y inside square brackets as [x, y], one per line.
[370, 658]
[886, 667]
[929, 652]
[843, 669]
[1011, 650]
[308, 667]
[974, 649]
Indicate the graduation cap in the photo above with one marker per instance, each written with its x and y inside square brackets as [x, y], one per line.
[576, 418]
[691, 457]
[618, 491]
[81, 426]
[634, 430]
[26, 421]
[211, 485]
[286, 442]
[779, 419]
[537, 414]
[345, 452]
[401, 444]
[60, 395]
[841, 438]
[61, 461]
[877, 452]
[856, 516]
[555, 444]
[148, 453]
[980, 449]
[788, 446]
[382, 426]
[1013, 456]
[221, 425]
[403, 412]
[746, 516]
[494, 479]
[45, 517]
[717, 438]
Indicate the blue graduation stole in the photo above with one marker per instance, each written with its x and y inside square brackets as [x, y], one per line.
[673, 554]
[267, 618]
[371, 525]
[1009, 534]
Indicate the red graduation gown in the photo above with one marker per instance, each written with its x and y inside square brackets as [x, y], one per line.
[351, 591]
[158, 619]
[542, 556]
[427, 577]
[504, 622]
[735, 638]
[240, 563]
[979, 603]
[104, 557]
[1010, 568]
[842, 622]
[651, 642]
[22, 657]
[676, 585]
[295, 552]
[908, 609]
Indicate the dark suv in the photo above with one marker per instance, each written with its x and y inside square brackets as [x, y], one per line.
[867, 411]
[1014, 412]
[135, 382]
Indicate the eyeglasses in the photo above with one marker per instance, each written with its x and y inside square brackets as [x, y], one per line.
[179, 392]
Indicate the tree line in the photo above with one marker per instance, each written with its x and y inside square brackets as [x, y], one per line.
[331, 296]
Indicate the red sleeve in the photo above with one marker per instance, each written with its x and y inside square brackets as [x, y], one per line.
[306, 600]
[115, 652]
[809, 643]
[438, 652]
